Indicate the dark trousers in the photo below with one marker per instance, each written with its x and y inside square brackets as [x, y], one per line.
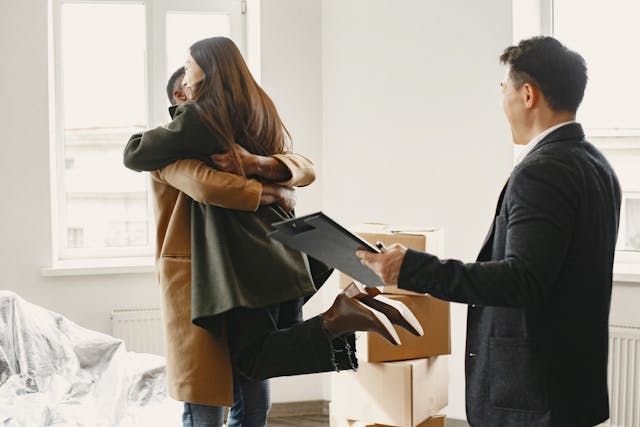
[273, 341]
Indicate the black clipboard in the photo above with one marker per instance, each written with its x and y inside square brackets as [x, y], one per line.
[321, 237]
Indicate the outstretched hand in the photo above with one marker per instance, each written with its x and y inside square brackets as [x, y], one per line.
[386, 265]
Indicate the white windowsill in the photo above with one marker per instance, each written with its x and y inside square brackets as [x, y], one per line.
[94, 267]
[626, 273]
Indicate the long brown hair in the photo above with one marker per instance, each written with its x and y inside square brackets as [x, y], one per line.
[231, 102]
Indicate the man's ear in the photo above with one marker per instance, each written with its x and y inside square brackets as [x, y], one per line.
[530, 95]
[180, 96]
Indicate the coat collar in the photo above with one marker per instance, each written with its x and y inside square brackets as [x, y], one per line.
[172, 110]
[572, 131]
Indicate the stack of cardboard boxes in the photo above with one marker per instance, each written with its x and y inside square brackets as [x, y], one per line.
[405, 385]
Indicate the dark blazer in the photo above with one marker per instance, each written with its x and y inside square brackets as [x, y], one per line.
[540, 291]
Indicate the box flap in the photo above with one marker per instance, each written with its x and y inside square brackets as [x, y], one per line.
[380, 227]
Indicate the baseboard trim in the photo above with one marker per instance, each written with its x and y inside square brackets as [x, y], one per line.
[321, 407]
[298, 409]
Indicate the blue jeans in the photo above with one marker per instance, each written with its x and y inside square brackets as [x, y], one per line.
[251, 403]
[196, 415]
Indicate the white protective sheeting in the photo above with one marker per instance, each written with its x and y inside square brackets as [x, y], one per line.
[53, 372]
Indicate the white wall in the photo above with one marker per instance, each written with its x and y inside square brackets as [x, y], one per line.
[292, 75]
[625, 297]
[413, 132]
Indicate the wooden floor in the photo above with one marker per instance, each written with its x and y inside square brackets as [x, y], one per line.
[302, 421]
[323, 421]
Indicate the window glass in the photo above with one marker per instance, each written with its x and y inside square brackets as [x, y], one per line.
[631, 231]
[104, 101]
[186, 28]
[606, 34]
[106, 60]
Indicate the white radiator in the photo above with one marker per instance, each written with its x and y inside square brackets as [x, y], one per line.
[140, 329]
[624, 376]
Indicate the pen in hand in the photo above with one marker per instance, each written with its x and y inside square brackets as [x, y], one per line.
[381, 246]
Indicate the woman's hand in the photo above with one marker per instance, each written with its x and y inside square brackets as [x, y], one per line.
[264, 168]
[226, 163]
[274, 193]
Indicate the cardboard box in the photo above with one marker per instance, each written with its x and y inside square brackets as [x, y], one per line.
[394, 393]
[427, 239]
[433, 315]
[435, 421]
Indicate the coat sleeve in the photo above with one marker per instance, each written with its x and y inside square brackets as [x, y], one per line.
[212, 187]
[185, 137]
[302, 169]
[541, 212]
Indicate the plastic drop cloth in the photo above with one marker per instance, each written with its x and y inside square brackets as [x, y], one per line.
[55, 373]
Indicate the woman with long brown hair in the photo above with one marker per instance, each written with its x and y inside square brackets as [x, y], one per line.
[247, 289]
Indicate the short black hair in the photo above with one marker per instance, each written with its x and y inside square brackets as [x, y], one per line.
[559, 73]
[171, 85]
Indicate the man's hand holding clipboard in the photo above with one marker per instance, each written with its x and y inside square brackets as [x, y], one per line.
[386, 265]
[321, 237]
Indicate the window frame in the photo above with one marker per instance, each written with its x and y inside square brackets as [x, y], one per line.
[155, 99]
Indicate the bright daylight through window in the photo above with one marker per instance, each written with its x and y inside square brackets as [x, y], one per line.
[105, 90]
[103, 205]
[610, 112]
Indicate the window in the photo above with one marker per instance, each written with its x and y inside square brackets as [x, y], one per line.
[606, 35]
[608, 110]
[183, 28]
[110, 61]
[630, 234]
[74, 237]
[127, 233]
[69, 163]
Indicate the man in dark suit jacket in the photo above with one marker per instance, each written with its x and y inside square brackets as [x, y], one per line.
[540, 291]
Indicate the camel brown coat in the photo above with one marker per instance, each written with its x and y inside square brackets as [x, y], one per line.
[198, 365]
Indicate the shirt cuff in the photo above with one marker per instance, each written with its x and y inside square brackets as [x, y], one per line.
[301, 173]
